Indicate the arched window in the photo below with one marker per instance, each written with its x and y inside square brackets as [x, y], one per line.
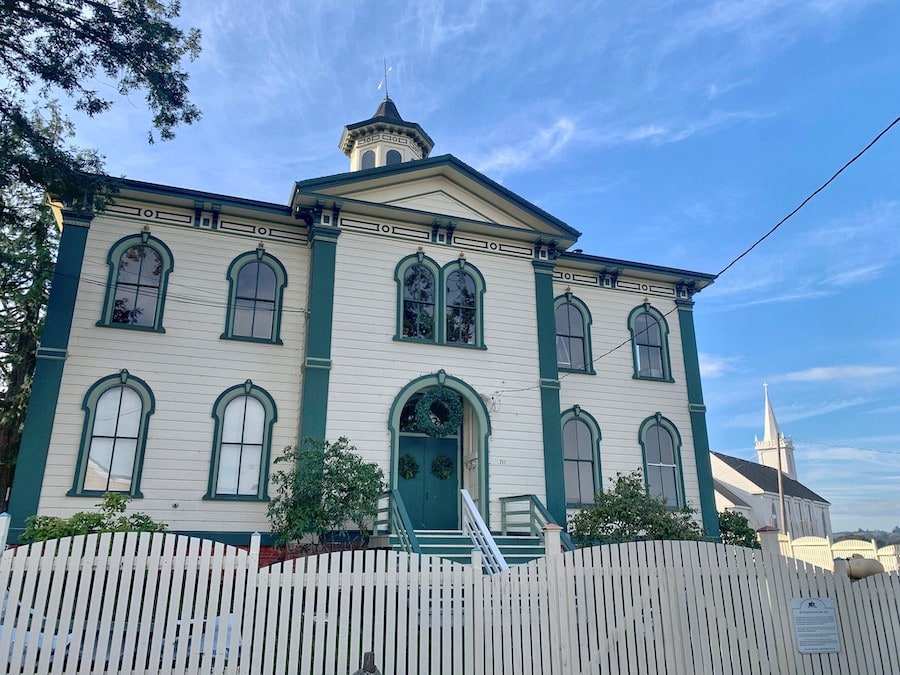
[368, 159]
[581, 457]
[242, 439]
[463, 292]
[393, 157]
[417, 278]
[139, 267]
[256, 285]
[117, 410]
[661, 444]
[573, 335]
[650, 343]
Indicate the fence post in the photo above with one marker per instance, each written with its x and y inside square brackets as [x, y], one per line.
[477, 560]
[4, 530]
[769, 540]
[552, 544]
[254, 550]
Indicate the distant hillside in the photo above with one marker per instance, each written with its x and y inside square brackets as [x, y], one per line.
[881, 537]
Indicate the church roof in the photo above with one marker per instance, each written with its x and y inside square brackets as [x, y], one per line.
[771, 430]
[386, 119]
[766, 478]
[725, 490]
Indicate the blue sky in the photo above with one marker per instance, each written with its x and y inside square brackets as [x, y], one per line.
[672, 133]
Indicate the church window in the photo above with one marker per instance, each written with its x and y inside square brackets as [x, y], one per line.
[393, 157]
[368, 159]
[256, 286]
[650, 343]
[661, 444]
[581, 463]
[573, 335]
[139, 268]
[418, 302]
[239, 469]
[117, 411]
[460, 308]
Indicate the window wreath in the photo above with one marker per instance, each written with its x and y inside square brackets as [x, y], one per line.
[408, 467]
[439, 412]
[442, 467]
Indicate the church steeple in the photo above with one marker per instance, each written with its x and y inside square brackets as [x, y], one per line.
[384, 139]
[767, 448]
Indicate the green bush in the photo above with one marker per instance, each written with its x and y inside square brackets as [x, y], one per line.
[110, 518]
[627, 513]
[324, 487]
[735, 529]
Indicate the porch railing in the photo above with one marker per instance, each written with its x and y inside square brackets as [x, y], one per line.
[478, 532]
[392, 518]
[526, 514]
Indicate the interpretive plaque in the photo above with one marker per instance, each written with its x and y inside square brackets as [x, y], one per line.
[815, 625]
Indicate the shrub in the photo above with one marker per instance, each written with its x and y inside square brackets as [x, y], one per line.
[627, 513]
[110, 518]
[735, 529]
[324, 487]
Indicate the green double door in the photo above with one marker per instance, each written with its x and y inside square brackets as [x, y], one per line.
[431, 500]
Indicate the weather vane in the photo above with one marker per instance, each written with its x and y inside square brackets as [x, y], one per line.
[384, 80]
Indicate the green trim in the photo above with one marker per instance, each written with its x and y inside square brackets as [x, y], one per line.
[554, 469]
[218, 414]
[35, 444]
[114, 260]
[576, 413]
[697, 411]
[666, 363]
[674, 274]
[463, 266]
[399, 273]
[212, 197]
[323, 257]
[482, 418]
[672, 430]
[586, 322]
[230, 538]
[234, 269]
[89, 406]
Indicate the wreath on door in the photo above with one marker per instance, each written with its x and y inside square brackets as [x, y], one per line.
[439, 412]
[442, 467]
[408, 467]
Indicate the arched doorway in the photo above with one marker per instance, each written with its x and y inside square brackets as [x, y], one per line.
[428, 470]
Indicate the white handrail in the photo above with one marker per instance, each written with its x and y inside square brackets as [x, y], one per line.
[473, 525]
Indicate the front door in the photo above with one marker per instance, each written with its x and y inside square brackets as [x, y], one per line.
[428, 481]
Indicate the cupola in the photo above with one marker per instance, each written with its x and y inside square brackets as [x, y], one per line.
[384, 139]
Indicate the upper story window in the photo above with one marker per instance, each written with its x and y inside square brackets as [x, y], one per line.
[427, 292]
[139, 267]
[368, 159]
[242, 441]
[661, 444]
[256, 286]
[581, 457]
[117, 411]
[650, 343]
[573, 335]
[393, 157]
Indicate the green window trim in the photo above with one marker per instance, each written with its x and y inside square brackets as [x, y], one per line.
[439, 300]
[665, 364]
[649, 424]
[126, 380]
[114, 259]
[258, 255]
[576, 413]
[586, 321]
[263, 397]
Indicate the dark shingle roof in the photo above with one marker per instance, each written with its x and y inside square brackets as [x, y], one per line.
[389, 110]
[767, 478]
[725, 490]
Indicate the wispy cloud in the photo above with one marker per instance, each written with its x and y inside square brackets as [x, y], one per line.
[716, 366]
[545, 143]
[833, 373]
[793, 413]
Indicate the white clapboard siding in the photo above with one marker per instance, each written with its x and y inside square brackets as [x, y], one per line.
[187, 368]
[151, 602]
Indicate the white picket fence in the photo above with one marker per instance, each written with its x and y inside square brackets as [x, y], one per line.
[165, 603]
[822, 552]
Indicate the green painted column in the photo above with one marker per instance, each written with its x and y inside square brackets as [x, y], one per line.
[317, 362]
[697, 411]
[554, 477]
[51, 357]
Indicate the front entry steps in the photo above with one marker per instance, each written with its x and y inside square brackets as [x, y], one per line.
[456, 546]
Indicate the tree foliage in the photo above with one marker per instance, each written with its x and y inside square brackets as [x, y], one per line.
[323, 488]
[735, 529]
[110, 518]
[627, 512]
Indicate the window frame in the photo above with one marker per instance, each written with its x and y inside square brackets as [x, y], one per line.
[113, 260]
[258, 255]
[665, 362]
[400, 271]
[463, 266]
[248, 388]
[586, 321]
[666, 424]
[572, 414]
[89, 405]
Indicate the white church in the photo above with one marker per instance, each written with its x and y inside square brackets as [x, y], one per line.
[442, 323]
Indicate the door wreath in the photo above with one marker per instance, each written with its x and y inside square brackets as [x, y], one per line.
[439, 412]
[408, 467]
[442, 467]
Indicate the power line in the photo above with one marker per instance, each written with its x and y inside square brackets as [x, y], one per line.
[844, 446]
